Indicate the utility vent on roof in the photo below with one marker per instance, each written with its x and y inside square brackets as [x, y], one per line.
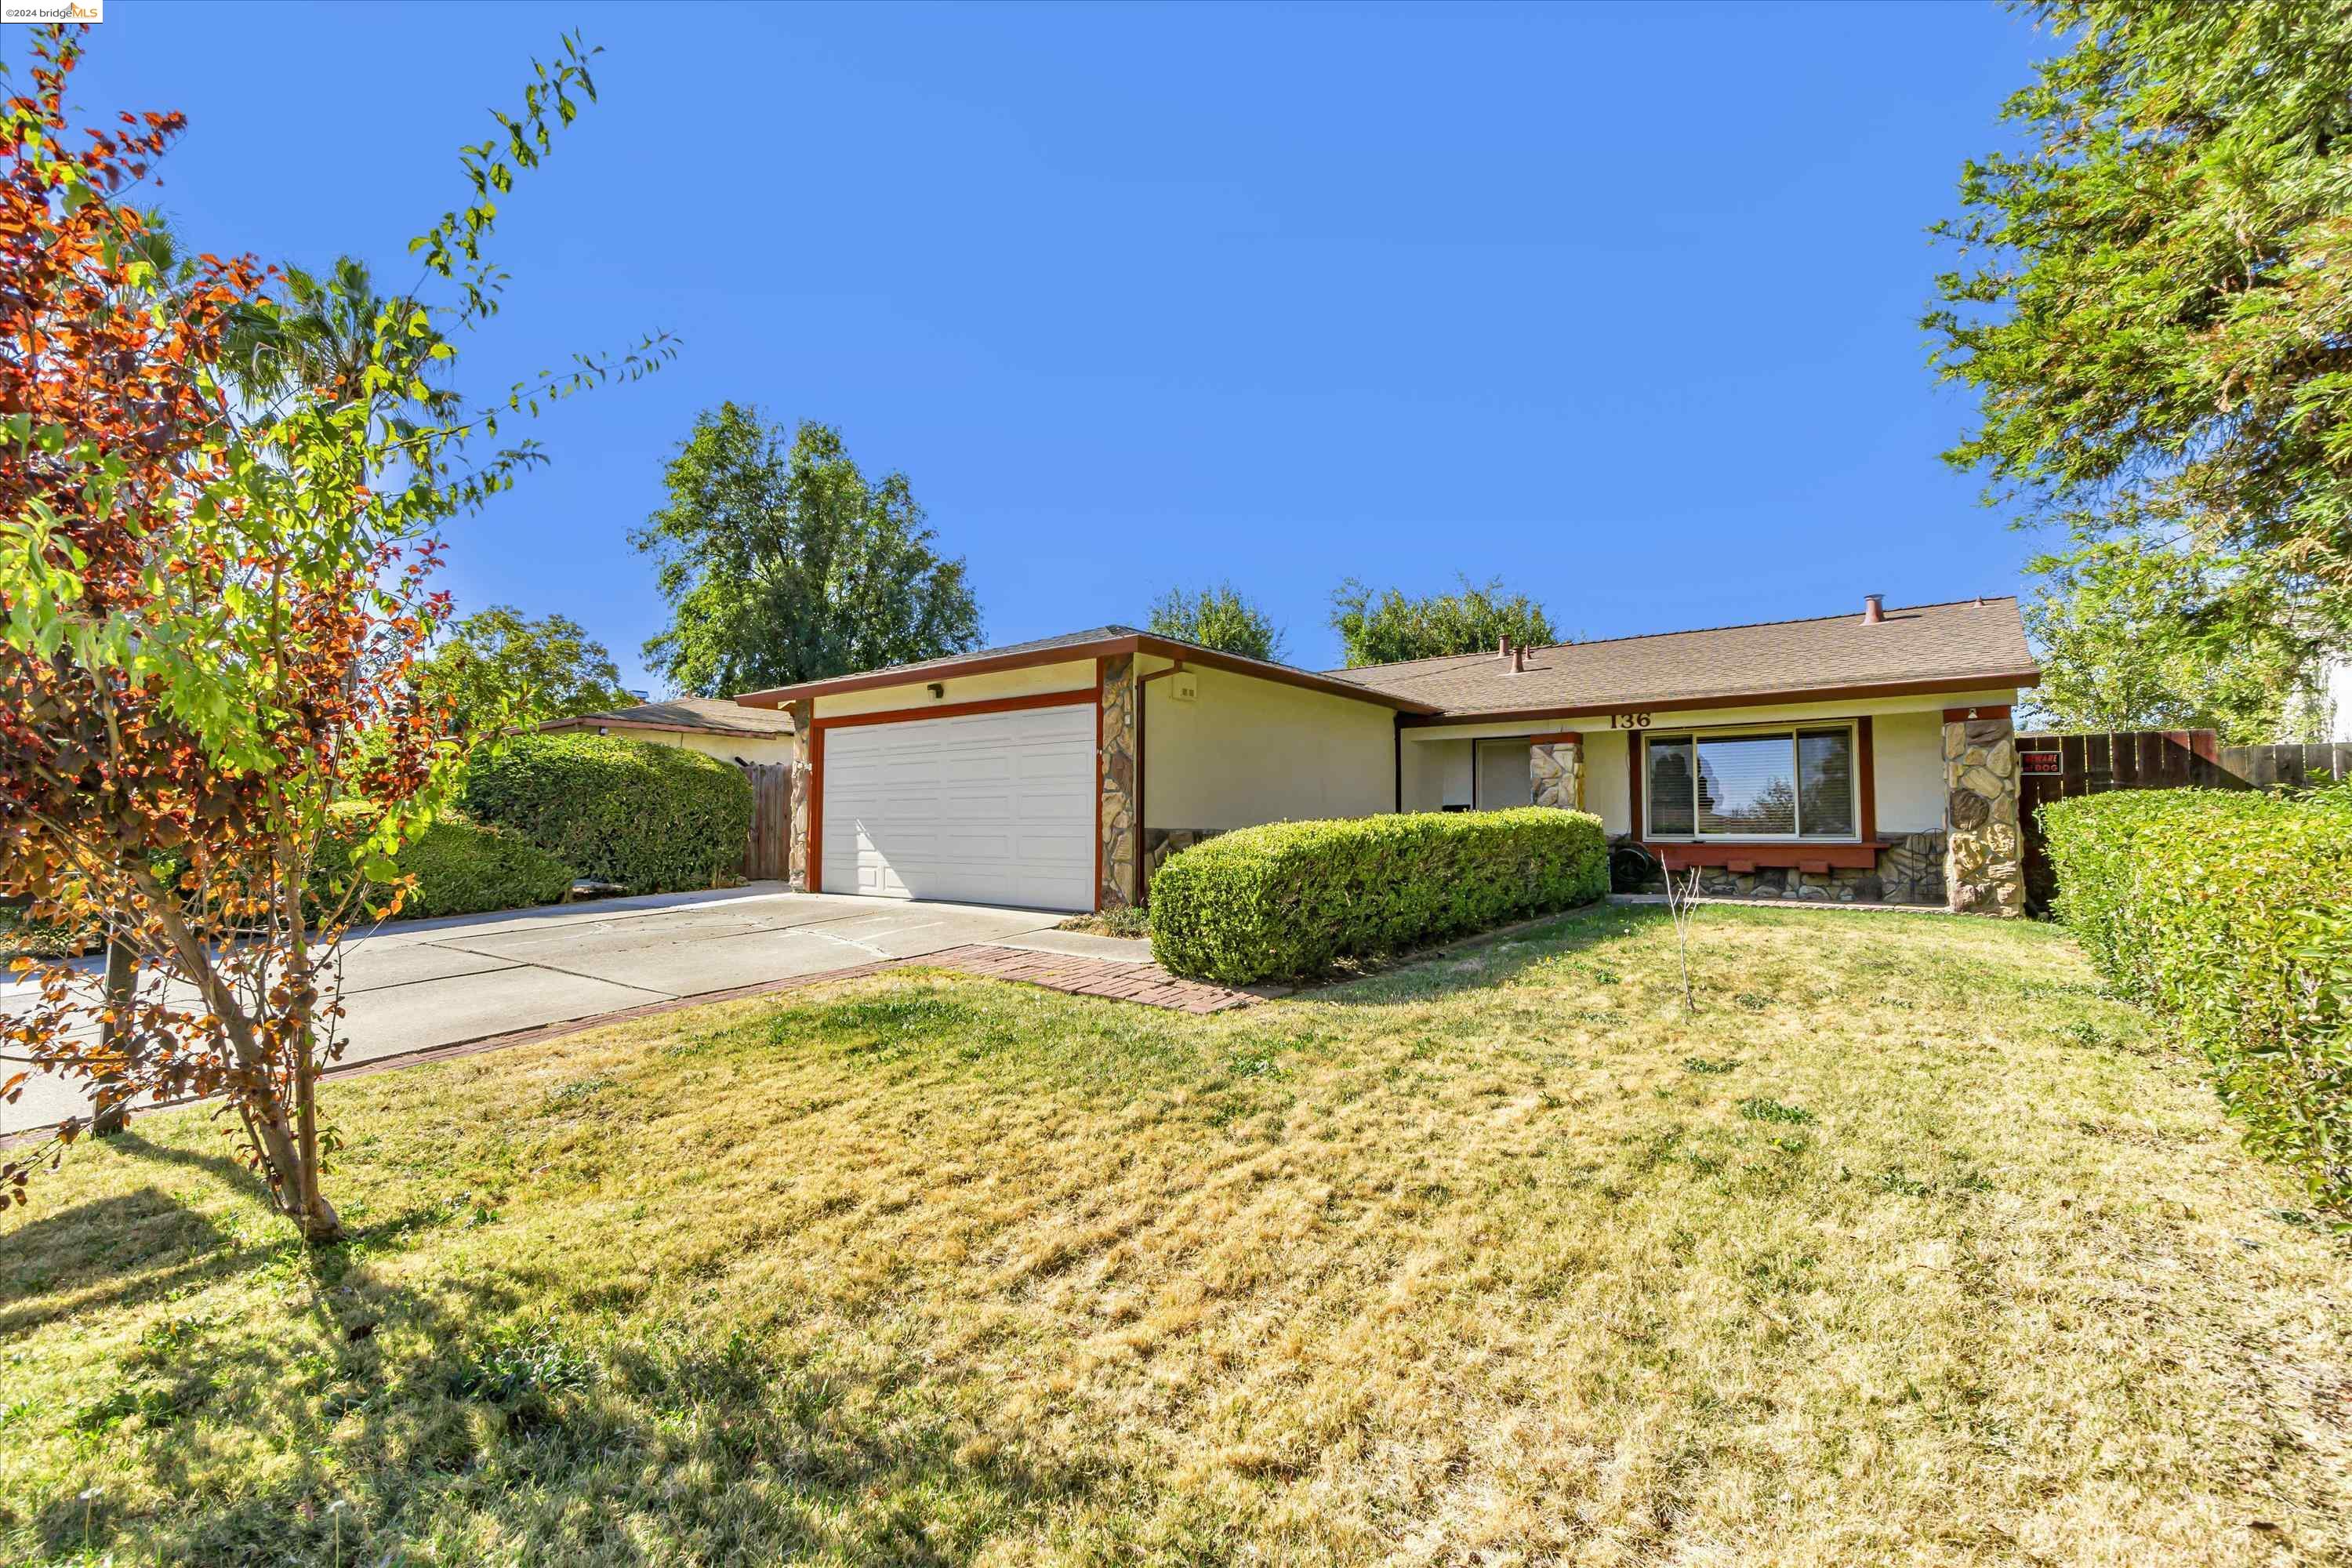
[1874, 608]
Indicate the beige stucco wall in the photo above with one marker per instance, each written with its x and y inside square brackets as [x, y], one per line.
[725, 748]
[1248, 751]
[1907, 762]
[1436, 774]
[1071, 675]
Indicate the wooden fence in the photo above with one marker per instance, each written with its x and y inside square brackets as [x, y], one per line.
[767, 856]
[2287, 766]
[2057, 766]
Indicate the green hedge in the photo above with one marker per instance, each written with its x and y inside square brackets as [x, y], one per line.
[1286, 901]
[656, 819]
[2230, 914]
[461, 867]
[465, 869]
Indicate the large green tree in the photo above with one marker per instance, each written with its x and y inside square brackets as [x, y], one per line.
[1220, 618]
[496, 667]
[782, 562]
[2153, 307]
[2123, 647]
[1387, 627]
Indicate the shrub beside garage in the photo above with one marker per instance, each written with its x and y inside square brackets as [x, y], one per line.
[1287, 901]
[461, 867]
[656, 819]
[2230, 915]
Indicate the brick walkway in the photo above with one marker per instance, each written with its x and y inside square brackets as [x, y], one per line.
[1145, 983]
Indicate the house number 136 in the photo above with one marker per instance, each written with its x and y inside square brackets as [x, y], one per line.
[1628, 720]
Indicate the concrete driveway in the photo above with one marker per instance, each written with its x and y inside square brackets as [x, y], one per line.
[417, 984]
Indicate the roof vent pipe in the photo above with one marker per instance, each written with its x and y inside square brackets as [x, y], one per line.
[1518, 661]
[1503, 648]
[1874, 608]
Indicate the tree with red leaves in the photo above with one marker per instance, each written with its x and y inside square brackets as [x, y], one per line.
[211, 605]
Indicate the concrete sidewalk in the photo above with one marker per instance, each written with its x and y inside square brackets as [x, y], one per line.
[418, 985]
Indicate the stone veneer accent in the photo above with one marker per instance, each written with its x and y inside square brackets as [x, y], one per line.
[1984, 859]
[1556, 773]
[803, 714]
[1910, 870]
[1158, 843]
[1121, 834]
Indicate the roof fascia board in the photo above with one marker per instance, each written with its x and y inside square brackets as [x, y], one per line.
[584, 721]
[1101, 647]
[1235, 664]
[1067, 653]
[1987, 681]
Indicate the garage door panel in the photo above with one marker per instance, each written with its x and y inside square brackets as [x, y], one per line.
[993, 807]
[997, 770]
[974, 809]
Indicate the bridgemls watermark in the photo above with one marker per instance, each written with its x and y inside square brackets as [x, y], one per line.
[52, 10]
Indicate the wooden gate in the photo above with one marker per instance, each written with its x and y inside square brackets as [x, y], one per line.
[768, 855]
[2057, 766]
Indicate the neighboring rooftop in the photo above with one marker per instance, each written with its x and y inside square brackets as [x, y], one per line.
[1979, 642]
[711, 715]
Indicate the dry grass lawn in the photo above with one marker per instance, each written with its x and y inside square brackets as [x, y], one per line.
[1908, 1247]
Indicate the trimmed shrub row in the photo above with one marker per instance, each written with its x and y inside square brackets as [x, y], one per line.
[461, 867]
[1286, 901]
[656, 819]
[2231, 915]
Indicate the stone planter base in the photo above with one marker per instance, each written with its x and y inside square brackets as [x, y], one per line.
[1910, 870]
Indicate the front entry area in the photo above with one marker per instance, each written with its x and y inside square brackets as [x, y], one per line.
[995, 809]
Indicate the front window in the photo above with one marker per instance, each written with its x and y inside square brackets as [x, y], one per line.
[1770, 783]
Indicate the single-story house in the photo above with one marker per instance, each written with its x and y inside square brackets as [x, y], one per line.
[1864, 756]
[715, 726]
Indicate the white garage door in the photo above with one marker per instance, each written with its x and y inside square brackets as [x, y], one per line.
[995, 808]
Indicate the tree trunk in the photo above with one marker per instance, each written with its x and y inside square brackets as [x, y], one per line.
[121, 988]
[320, 1224]
[288, 1159]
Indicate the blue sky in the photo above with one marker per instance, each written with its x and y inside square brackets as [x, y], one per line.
[1617, 303]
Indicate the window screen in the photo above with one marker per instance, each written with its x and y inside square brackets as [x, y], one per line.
[1670, 788]
[1746, 786]
[1825, 783]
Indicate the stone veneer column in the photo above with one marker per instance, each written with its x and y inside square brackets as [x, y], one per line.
[1122, 833]
[803, 714]
[1984, 851]
[1555, 771]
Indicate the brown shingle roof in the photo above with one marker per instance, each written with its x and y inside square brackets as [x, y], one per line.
[715, 715]
[1972, 642]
